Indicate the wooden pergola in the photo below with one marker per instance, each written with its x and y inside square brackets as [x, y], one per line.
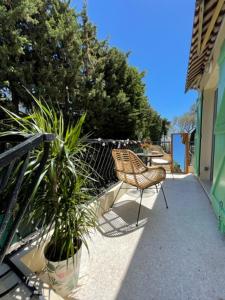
[208, 18]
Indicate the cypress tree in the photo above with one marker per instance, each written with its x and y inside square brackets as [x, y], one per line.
[39, 50]
[47, 48]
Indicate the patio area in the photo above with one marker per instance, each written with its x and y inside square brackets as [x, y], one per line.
[174, 254]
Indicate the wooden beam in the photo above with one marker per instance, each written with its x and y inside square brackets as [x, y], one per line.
[212, 23]
[200, 21]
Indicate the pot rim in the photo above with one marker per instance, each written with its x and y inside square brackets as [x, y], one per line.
[64, 260]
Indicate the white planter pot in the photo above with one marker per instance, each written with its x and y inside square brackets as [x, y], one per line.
[63, 275]
[145, 151]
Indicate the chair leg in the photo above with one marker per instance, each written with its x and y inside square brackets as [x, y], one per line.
[164, 196]
[156, 186]
[139, 209]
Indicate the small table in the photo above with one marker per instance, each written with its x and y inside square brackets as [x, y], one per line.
[147, 157]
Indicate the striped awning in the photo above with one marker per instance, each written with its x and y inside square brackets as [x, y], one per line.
[208, 18]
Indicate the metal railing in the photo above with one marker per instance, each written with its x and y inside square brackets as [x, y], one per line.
[15, 153]
[99, 158]
[16, 150]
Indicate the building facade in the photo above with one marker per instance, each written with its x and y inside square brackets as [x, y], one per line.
[206, 74]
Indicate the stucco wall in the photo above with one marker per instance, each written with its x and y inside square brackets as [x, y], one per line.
[207, 129]
[213, 78]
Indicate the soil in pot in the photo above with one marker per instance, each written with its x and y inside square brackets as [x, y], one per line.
[53, 253]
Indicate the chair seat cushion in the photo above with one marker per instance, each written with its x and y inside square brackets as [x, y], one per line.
[160, 161]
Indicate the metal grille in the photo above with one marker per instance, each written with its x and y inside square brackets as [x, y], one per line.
[15, 153]
[99, 158]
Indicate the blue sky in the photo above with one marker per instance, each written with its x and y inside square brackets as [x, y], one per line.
[179, 151]
[158, 34]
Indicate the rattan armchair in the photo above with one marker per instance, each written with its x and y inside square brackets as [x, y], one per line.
[131, 170]
[165, 160]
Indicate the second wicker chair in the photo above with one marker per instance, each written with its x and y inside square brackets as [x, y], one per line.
[165, 160]
[131, 170]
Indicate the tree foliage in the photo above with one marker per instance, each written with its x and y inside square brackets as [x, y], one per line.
[186, 122]
[54, 52]
[39, 49]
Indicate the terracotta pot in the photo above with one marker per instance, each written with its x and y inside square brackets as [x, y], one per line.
[63, 275]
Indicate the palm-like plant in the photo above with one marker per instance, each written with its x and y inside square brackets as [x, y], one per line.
[60, 202]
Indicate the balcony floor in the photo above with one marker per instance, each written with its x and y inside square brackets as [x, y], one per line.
[174, 254]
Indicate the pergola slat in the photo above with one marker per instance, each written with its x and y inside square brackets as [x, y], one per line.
[208, 18]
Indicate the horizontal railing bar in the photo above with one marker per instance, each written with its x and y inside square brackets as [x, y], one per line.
[14, 138]
[112, 141]
[24, 147]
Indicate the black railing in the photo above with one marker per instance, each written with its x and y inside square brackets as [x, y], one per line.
[99, 158]
[15, 153]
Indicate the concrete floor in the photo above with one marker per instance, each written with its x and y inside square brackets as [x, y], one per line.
[175, 254]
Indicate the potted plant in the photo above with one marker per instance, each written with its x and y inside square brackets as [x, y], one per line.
[146, 146]
[61, 200]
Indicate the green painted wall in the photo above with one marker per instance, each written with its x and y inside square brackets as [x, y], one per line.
[218, 189]
[198, 136]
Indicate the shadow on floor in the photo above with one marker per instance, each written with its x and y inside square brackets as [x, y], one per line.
[122, 217]
[180, 254]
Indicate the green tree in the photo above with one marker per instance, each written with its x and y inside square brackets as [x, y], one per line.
[91, 90]
[15, 17]
[39, 49]
[155, 128]
[165, 127]
[116, 107]
[48, 48]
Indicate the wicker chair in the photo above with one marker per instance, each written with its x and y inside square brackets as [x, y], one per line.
[130, 169]
[165, 160]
